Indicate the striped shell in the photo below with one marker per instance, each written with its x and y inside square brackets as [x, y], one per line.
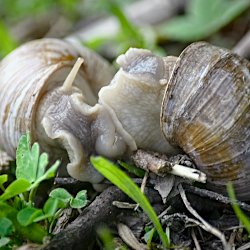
[34, 68]
[206, 111]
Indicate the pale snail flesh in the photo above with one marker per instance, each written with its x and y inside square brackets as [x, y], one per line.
[205, 109]
[64, 117]
[31, 79]
[128, 113]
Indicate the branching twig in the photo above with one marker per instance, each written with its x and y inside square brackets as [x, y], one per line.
[215, 196]
[206, 226]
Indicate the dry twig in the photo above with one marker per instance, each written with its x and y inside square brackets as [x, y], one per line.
[215, 196]
[160, 165]
[196, 243]
[128, 237]
[205, 225]
[81, 232]
[244, 247]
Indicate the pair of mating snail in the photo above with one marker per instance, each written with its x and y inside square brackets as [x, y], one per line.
[198, 102]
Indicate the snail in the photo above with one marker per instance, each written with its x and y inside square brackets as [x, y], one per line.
[201, 103]
[31, 78]
[197, 103]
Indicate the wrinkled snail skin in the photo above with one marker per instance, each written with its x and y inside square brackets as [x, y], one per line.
[32, 74]
[198, 103]
[205, 110]
[82, 130]
[135, 95]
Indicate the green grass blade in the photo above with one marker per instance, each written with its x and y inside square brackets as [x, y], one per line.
[239, 213]
[123, 182]
[132, 169]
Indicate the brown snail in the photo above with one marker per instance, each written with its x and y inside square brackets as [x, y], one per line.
[200, 101]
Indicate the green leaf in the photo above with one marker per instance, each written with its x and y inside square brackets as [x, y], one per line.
[27, 159]
[6, 226]
[126, 26]
[49, 209]
[3, 179]
[203, 10]
[30, 165]
[239, 213]
[106, 237]
[51, 206]
[80, 200]
[16, 187]
[33, 232]
[27, 215]
[50, 173]
[167, 230]
[203, 18]
[122, 181]
[148, 237]
[6, 210]
[42, 164]
[119, 41]
[4, 241]
[61, 194]
[132, 169]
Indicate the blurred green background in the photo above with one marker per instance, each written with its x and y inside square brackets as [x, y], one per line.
[222, 22]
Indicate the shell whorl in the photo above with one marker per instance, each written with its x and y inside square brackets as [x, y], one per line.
[206, 111]
[30, 71]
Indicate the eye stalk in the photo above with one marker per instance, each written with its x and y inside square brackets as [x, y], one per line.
[68, 83]
[71, 124]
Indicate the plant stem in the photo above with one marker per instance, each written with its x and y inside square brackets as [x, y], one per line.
[54, 218]
[32, 195]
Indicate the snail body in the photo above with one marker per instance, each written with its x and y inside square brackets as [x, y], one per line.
[197, 103]
[31, 91]
[202, 107]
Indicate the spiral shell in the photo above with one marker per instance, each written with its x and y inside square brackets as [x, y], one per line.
[32, 70]
[206, 111]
